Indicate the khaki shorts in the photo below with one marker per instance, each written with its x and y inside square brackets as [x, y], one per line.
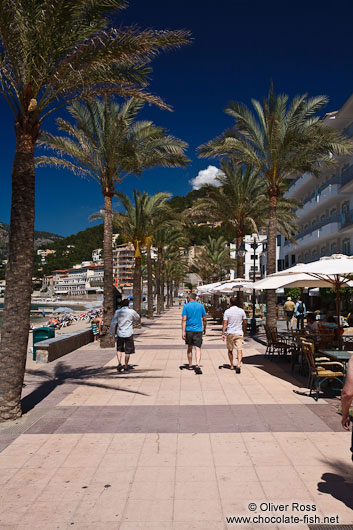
[235, 341]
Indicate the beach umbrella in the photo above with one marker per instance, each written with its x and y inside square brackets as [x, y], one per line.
[334, 271]
[63, 310]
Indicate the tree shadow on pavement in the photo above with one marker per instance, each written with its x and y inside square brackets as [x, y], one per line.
[48, 381]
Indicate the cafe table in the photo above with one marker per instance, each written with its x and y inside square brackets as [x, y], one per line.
[341, 356]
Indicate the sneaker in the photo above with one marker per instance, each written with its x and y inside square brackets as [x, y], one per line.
[237, 370]
[119, 367]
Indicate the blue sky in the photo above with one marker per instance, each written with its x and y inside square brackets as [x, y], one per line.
[238, 46]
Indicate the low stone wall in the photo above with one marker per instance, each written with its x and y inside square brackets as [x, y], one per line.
[51, 349]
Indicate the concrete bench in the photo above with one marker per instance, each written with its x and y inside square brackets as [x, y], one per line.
[51, 349]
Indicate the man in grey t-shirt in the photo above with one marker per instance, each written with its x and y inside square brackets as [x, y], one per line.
[234, 325]
[122, 327]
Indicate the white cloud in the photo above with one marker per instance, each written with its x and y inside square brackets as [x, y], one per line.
[205, 176]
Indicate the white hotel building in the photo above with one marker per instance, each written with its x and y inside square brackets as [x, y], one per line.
[325, 217]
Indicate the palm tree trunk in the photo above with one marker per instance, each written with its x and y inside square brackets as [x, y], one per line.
[162, 289]
[240, 271]
[108, 303]
[271, 316]
[137, 285]
[168, 294]
[16, 316]
[149, 284]
[158, 280]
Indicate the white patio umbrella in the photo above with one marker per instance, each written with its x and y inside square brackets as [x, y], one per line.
[230, 286]
[207, 289]
[334, 271]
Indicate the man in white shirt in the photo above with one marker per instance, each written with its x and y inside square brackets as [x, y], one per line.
[234, 325]
[122, 327]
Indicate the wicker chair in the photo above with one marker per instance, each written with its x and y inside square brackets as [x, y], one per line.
[348, 343]
[321, 371]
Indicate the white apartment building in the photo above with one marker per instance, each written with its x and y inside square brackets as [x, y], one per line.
[249, 256]
[325, 217]
[97, 255]
[81, 280]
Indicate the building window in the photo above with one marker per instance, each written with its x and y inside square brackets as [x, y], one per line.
[254, 256]
[256, 268]
[278, 240]
[333, 211]
[293, 259]
[323, 217]
[333, 247]
[346, 247]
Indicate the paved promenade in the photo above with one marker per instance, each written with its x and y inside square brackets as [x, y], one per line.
[161, 448]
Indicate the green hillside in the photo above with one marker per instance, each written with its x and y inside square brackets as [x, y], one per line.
[71, 250]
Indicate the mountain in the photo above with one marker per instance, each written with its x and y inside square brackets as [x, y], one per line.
[40, 239]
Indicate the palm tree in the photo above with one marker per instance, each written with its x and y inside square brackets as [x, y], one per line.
[107, 143]
[280, 140]
[175, 267]
[214, 259]
[54, 52]
[239, 203]
[173, 237]
[135, 227]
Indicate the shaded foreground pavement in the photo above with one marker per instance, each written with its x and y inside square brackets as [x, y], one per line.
[161, 448]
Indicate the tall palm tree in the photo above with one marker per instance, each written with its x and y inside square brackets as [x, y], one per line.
[176, 268]
[281, 140]
[134, 226]
[107, 143]
[239, 203]
[169, 237]
[54, 52]
[214, 259]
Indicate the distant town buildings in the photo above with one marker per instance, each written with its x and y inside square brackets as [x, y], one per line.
[97, 255]
[84, 279]
[123, 265]
[43, 253]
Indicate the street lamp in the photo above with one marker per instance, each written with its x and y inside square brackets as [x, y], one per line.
[254, 245]
[241, 251]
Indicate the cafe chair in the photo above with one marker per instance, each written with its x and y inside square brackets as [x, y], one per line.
[321, 372]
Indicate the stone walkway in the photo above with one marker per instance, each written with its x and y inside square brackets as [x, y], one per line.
[161, 448]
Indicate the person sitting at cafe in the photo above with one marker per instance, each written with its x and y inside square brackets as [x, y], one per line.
[312, 325]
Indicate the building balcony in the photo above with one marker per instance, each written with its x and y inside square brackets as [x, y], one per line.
[321, 198]
[347, 220]
[299, 185]
[347, 179]
[314, 236]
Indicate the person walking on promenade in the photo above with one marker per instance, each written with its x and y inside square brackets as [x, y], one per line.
[289, 307]
[122, 328]
[193, 323]
[347, 398]
[299, 312]
[234, 328]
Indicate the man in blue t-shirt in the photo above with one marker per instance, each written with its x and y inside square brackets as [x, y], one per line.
[193, 324]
